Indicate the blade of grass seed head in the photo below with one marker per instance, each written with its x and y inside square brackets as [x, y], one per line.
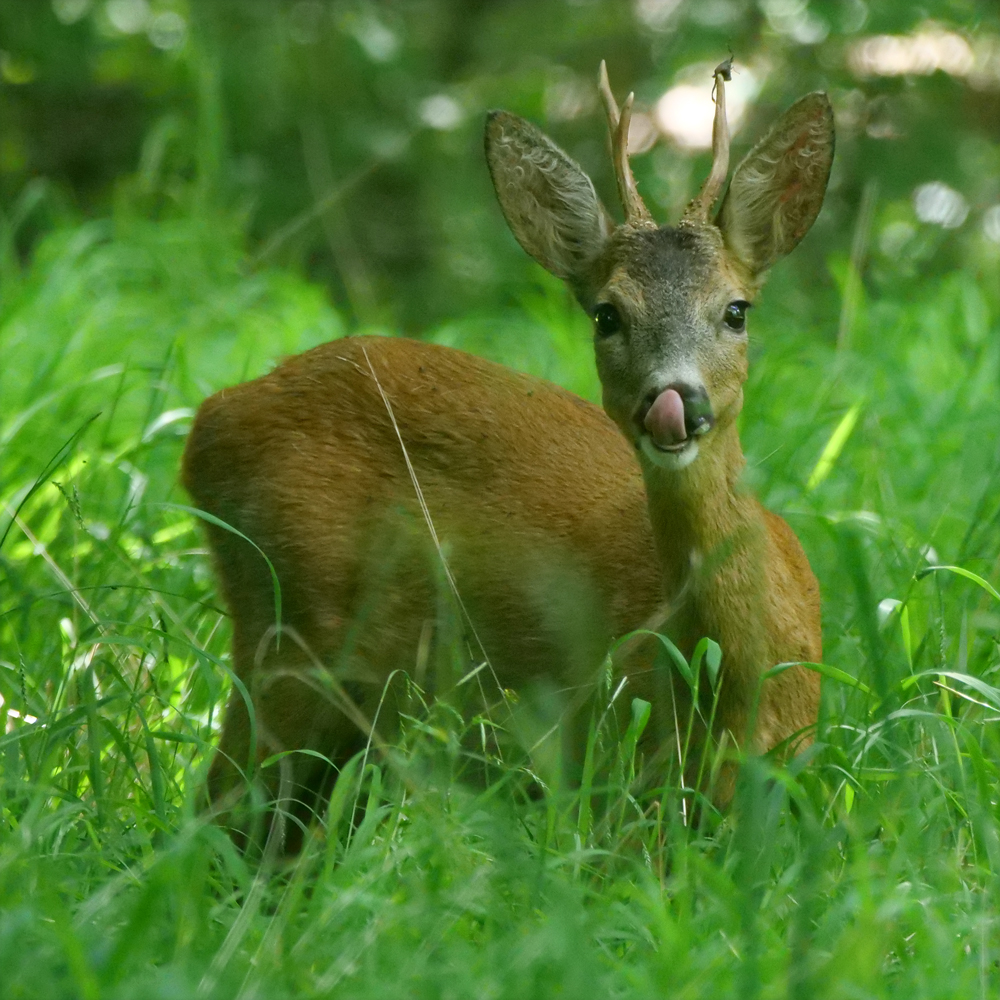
[50, 467]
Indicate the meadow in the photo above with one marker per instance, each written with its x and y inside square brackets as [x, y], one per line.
[867, 867]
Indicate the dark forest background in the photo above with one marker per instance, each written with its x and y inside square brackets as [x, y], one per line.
[270, 108]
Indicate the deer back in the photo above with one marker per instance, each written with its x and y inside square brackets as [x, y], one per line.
[536, 499]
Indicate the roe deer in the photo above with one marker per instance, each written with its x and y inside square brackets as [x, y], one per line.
[332, 463]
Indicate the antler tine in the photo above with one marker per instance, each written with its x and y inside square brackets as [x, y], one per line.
[636, 213]
[699, 209]
[610, 104]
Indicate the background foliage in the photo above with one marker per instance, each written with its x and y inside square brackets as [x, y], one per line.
[189, 191]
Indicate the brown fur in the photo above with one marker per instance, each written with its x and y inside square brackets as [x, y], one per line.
[535, 495]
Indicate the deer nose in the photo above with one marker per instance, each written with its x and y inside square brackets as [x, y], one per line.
[673, 414]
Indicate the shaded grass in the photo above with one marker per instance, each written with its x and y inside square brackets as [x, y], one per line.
[866, 868]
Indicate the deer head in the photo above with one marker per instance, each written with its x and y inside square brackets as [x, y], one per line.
[668, 303]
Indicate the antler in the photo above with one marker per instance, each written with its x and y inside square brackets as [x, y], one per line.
[698, 210]
[636, 213]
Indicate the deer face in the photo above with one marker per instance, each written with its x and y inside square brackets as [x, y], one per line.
[670, 338]
[668, 304]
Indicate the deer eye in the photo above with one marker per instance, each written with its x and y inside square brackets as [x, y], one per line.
[607, 319]
[735, 316]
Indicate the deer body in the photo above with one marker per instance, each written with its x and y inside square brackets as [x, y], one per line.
[669, 308]
[535, 495]
[542, 506]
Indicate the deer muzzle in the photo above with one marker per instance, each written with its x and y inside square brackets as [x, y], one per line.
[676, 415]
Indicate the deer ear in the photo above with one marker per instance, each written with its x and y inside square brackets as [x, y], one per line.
[548, 201]
[777, 191]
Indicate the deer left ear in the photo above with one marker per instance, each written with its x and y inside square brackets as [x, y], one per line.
[777, 191]
[548, 201]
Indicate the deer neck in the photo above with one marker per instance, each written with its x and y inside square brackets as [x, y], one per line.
[711, 536]
[702, 509]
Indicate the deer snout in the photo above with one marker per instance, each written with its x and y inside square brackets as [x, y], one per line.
[673, 415]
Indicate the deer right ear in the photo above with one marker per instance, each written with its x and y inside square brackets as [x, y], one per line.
[548, 201]
[777, 191]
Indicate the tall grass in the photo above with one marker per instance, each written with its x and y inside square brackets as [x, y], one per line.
[865, 868]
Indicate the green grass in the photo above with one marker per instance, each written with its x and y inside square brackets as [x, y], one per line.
[869, 869]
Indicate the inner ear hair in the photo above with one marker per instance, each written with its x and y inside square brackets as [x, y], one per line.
[548, 201]
[777, 191]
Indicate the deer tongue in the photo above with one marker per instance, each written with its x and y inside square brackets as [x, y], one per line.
[665, 420]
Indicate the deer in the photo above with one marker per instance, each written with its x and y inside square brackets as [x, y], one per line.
[362, 478]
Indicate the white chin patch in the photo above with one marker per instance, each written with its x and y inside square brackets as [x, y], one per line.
[674, 460]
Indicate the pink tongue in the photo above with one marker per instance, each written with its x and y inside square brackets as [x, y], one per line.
[665, 419]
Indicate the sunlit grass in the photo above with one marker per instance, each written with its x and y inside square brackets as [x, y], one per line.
[866, 868]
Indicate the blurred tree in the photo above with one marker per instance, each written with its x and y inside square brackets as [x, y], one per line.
[347, 132]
